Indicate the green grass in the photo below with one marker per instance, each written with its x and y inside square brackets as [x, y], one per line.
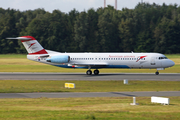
[12, 55]
[113, 108]
[21, 86]
[170, 56]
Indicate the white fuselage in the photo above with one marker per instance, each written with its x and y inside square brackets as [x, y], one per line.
[109, 60]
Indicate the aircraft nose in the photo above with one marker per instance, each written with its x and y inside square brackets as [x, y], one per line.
[171, 63]
[167, 63]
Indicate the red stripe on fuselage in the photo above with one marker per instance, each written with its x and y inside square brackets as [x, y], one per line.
[43, 51]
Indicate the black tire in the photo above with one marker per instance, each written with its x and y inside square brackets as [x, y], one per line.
[89, 72]
[157, 73]
[96, 72]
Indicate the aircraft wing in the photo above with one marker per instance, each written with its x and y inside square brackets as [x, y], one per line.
[91, 64]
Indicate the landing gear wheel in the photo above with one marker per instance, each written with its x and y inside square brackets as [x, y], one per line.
[96, 72]
[157, 73]
[89, 72]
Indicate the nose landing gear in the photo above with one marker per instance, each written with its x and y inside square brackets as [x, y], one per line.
[157, 73]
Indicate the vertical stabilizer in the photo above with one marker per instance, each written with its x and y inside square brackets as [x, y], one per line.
[32, 45]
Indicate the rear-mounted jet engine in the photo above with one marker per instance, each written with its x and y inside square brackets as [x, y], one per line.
[59, 59]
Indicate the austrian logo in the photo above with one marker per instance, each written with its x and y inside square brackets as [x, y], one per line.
[31, 45]
[141, 57]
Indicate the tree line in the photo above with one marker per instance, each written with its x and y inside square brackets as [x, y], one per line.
[146, 28]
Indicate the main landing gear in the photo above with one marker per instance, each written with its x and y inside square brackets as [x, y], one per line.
[89, 72]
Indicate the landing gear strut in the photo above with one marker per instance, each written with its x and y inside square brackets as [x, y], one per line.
[157, 73]
[89, 72]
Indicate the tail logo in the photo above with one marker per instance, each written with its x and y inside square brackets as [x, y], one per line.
[31, 45]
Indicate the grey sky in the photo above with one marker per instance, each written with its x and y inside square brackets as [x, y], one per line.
[68, 5]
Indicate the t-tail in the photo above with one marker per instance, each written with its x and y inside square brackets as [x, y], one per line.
[32, 45]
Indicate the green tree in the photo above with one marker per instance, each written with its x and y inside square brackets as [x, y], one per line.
[81, 32]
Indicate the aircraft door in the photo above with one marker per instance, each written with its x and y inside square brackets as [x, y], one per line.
[153, 61]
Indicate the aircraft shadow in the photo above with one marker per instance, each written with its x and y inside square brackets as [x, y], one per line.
[123, 94]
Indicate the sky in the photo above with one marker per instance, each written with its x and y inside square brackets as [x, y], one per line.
[80, 5]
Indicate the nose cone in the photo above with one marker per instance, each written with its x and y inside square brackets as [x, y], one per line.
[171, 63]
[167, 63]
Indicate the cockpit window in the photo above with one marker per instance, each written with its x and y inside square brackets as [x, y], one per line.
[163, 58]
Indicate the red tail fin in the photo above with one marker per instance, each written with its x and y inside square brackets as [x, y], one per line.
[32, 45]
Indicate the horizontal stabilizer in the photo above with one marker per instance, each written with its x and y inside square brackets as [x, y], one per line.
[20, 38]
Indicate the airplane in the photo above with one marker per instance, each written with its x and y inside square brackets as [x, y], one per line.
[94, 60]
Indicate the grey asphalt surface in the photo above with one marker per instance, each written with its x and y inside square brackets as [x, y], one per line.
[83, 76]
[89, 94]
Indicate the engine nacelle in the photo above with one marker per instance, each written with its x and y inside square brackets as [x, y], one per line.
[59, 59]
